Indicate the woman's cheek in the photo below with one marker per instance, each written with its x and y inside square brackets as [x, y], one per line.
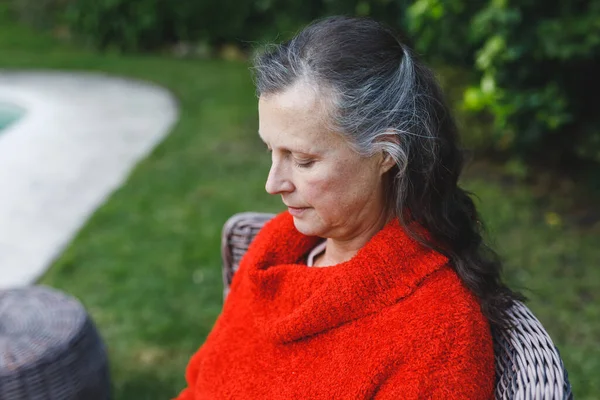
[314, 190]
[325, 185]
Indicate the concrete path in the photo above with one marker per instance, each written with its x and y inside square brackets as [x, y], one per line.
[80, 138]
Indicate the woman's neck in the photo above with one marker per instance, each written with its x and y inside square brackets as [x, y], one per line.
[339, 250]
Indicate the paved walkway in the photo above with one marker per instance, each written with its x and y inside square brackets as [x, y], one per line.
[80, 138]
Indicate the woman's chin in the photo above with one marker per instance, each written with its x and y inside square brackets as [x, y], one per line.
[305, 227]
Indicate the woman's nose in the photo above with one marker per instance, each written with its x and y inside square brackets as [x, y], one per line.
[277, 182]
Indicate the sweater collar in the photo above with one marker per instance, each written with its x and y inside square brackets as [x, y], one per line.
[292, 301]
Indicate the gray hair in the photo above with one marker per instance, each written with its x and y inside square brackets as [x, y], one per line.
[378, 103]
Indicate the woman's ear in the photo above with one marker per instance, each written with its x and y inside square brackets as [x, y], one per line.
[387, 161]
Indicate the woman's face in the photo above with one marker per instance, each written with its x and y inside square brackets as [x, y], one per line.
[328, 188]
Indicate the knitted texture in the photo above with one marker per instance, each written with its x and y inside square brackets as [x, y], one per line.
[394, 322]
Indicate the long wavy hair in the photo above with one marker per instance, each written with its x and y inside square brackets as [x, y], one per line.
[383, 98]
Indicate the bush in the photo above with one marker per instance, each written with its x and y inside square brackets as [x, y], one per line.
[148, 24]
[441, 29]
[536, 62]
[37, 13]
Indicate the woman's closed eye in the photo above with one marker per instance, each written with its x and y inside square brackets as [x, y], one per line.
[303, 163]
[298, 162]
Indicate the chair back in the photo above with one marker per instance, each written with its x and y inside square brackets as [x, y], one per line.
[528, 365]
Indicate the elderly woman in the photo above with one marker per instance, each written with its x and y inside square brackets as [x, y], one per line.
[375, 283]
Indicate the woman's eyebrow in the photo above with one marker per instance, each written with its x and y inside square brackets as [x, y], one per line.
[296, 151]
[289, 149]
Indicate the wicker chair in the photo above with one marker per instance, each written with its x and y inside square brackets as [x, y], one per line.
[528, 365]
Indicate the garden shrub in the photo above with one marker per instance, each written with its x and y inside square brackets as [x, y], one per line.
[538, 67]
[536, 63]
[37, 13]
[150, 24]
[441, 29]
[147, 24]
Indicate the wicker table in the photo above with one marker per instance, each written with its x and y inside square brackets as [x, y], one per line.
[49, 348]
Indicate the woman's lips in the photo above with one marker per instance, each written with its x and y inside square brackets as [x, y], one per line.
[296, 212]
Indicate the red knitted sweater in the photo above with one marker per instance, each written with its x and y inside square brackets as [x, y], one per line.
[394, 322]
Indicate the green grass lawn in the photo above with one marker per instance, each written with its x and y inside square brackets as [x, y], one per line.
[147, 264]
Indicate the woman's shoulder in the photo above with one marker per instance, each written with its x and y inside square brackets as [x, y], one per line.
[442, 299]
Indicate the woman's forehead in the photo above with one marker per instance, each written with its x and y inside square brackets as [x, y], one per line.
[296, 115]
[299, 100]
